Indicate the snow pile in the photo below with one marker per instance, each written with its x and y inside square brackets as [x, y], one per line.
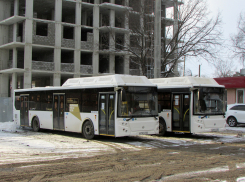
[8, 126]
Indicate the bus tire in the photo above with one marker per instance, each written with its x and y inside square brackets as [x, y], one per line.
[88, 130]
[162, 127]
[35, 124]
[231, 121]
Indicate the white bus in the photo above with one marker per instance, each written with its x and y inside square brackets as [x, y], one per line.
[115, 105]
[190, 105]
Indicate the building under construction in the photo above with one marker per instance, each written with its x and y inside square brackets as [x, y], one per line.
[45, 42]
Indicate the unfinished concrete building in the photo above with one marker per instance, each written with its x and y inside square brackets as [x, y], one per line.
[45, 42]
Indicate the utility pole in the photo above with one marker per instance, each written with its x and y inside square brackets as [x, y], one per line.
[199, 72]
[157, 39]
[184, 67]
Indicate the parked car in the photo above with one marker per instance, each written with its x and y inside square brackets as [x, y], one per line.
[235, 114]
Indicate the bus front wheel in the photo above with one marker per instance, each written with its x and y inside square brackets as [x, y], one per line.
[162, 127]
[35, 124]
[88, 130]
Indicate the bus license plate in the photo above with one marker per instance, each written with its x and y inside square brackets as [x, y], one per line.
[143, 133]
[215, 129]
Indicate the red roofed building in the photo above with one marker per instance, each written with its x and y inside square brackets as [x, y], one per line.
[235, 88]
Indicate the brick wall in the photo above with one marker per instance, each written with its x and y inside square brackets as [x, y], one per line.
[41, 65]
[44, 40]
[67, 67]
[86, 69]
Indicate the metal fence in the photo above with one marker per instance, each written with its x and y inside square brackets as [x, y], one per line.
[6, 109]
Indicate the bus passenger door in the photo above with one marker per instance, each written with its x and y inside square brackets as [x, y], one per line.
[107, 114]
[24, 110]
[58, 111]
[180, 114]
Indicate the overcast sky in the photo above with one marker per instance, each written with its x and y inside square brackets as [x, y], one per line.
[230, 11]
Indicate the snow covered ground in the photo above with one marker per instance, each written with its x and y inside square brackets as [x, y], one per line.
[18, 145]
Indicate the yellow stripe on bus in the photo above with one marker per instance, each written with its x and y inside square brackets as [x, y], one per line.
[106, 135]
[182, 131]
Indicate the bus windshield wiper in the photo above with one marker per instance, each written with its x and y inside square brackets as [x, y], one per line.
[129, 118]
[204, 116]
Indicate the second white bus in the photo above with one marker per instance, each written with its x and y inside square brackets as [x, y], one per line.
[190, 105]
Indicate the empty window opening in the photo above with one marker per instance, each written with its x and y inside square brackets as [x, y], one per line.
[104, 64]
[68, 32]
[11, 8]
[68, 11]
[41, 29]
[119, 21]
[20, 58]
[104, 19]
[20, 32]
[120, 2]
[44, 9]
[41, 82]
[67, 56]
[120, 41]
[134, 22]
[84, 34]
[135, 4]
[134, 63]
[87, 16]
[88, 1]
[43, 55]
[104, 41]
[22, 7]
[119, 64]
[86, 58]
[105, 1]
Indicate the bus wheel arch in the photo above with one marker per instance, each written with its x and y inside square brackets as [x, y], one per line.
[35, 124]
[88, 129]
[162, 127]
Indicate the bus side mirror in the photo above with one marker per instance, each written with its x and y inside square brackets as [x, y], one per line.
[123, 95]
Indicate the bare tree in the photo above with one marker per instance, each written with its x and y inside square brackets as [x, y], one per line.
[224, 69]
[238, 40]
[194, 35]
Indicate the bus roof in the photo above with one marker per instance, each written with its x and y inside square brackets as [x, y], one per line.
[110, 80]
[184, 82]
[96, 82]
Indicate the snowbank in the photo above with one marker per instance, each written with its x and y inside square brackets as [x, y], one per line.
[8, 126]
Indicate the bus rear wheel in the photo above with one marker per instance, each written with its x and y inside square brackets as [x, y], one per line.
[88, 130]
[35, 124]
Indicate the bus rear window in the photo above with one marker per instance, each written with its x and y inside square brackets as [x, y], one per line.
[17, 102]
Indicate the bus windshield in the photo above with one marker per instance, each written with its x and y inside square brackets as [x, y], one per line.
[209, 100]
[140, 101]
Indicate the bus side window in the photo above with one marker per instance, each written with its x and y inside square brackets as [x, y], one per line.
[164, 100]
[48, 103]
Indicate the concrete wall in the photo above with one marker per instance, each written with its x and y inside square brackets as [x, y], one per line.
[6, 109]
[231, 96]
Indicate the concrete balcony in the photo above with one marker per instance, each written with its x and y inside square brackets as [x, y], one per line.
[86, 69]
[67, 67]
[41, 65]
